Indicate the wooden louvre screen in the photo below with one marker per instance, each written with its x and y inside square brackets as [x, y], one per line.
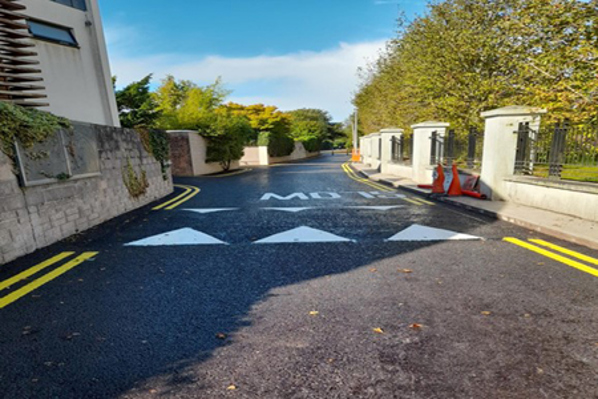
[19, 73]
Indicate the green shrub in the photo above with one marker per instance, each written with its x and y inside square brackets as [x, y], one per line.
[28, 126]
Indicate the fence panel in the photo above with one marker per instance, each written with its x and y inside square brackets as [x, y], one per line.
[401, 149]
[463, 150]
[558, 152]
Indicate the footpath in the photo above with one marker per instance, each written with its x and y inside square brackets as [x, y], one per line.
[569, 228]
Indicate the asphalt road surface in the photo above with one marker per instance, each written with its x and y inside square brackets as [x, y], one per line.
[300, 281]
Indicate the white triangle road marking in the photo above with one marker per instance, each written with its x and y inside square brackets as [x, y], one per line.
[302, 234]
[210, 210]
[185, 236]
[293, 210]
[377, 208]
[424, 233]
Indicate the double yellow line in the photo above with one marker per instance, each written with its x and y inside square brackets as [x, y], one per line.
[555, 256]
[380, 187]
[370, 183]
[189, 193]
[21, 292]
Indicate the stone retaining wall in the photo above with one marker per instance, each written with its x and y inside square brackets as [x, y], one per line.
[38, 216]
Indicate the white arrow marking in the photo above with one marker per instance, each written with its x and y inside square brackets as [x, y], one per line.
[293, 210]
[302, 234]
[423, 233]
[184, 236]
[211, 210]
[378, 208]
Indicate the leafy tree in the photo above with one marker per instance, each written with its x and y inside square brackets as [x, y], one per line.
[467, 56]
[310, 126]
[226, 135]
[263, 118]
[136, 105]
[185, 105]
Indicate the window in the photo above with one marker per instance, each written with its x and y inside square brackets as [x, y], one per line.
[52, 33]
[79, 4]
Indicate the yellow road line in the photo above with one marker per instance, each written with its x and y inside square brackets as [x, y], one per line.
[552, 255]
[412, 201]
[424, 201]
[187, 198]
[187, 191]
[34, 270]
[566, 251]
[370, 183]
[10, 298]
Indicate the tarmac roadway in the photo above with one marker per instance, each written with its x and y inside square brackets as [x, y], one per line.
[300, 281]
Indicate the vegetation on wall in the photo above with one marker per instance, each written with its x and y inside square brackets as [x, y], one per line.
[135, 183]
[28, 126]
[467, 56]
[157, 144]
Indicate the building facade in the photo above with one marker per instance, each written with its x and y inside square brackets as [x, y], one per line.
[73, 60]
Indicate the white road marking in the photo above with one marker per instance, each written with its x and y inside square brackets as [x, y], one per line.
[423, 233]
[300, 196]
[211, 210]
[377, 208]
[302, 234]
[292, 210]
[185, 236]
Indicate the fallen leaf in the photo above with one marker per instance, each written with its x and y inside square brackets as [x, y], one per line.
[231, 388]
[539, 370]
[221, 336]
[540, 263]
[407, 271]
[527, 315]
[486, 313]
[330, 360]
[378, 330]
[314, 313]
[416, 326]
[373, 270]
[153, 391]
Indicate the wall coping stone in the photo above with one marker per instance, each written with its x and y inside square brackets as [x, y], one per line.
[392, 130]
[513, 110]
[430, 124]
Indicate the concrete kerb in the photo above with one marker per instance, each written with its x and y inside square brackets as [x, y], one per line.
[554, 232]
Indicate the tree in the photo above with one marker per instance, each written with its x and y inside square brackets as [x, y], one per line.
[226, 135]
[310, 126]
[262, 118]
[136, 105]
[467, 56]
[185, 105]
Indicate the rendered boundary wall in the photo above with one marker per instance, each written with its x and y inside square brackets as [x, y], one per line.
[38, 216]
[188, 152]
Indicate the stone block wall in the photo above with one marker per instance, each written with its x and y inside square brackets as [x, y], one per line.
[38, 216]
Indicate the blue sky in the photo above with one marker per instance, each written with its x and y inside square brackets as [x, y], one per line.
[289, 53]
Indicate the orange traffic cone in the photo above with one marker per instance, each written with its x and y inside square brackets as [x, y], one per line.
[455, 188]
[438, 184]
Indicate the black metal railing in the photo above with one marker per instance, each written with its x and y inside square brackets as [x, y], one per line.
[562, 151]
[401, 149]
[463, 150]
[437, 149]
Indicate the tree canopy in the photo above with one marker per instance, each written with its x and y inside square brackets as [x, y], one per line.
[467, 56]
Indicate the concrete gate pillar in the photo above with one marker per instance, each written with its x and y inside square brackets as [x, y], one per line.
[500, 145]
[422, 149]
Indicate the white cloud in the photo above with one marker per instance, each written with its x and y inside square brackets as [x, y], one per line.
[324, 79]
